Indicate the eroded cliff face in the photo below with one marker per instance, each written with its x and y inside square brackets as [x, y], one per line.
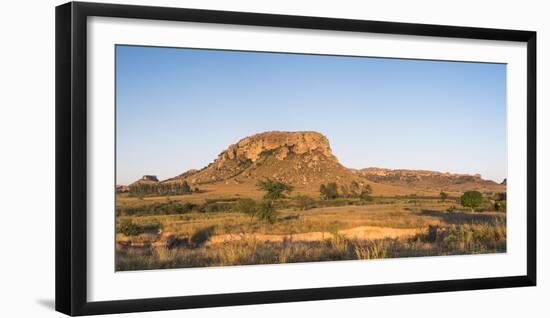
[409, 174]
[302, 157]
[278, 143]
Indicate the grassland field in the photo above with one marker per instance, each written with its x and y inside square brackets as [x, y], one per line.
[191, 231]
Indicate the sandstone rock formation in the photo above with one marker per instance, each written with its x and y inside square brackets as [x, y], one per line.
[280, 143]
[302, 157]
[425, 179]
[146, 179]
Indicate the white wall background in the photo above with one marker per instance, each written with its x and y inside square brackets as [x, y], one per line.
[27, 158]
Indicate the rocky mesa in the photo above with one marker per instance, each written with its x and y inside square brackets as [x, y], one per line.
[302, 157]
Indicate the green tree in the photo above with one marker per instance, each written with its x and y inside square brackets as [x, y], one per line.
[274, 189]
[443, 196]
[329, 191]
[471, 199]
[267, 212]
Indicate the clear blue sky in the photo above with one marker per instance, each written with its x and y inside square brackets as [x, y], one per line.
[177, 109]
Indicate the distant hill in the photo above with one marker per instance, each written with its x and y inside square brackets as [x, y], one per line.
[146, 179]
[430, 180]
[305, 160]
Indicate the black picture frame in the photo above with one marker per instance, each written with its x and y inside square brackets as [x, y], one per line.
[71, 157]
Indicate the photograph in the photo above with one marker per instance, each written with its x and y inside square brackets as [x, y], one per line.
[271, 159]
[228, 157]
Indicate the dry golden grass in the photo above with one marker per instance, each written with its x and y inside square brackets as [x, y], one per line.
[398, 215]
[451, 240]
[387, 227]
[356, 233]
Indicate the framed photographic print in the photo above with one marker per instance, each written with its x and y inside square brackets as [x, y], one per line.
[212, 158]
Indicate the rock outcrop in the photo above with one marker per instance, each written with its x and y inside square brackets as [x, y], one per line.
[425, 179]
[302, 157]
[146, 179]
[278, 143]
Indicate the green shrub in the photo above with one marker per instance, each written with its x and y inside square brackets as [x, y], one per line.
[217, 207]
[246, 206]
[128, 228]
[151, 226]
[274, 189]
[171, 207]
[152, 189]
[267, 212]
[471, 199]
[158, 208]
[201, 236]
[329, 191]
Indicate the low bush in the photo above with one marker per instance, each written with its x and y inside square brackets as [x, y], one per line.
[217, 207]
[304, 202]
[246, 206]
[174, 207]
[267, 212]
[201, 236]
[170, 207]
[129, 228]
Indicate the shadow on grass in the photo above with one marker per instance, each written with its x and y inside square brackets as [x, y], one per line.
[465, 217]
[289, 217]
[201, 236]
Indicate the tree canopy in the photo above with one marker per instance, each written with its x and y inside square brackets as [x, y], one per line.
[274, 189]
[266, 211]
[329, 191]
[173, 188]
[471, 199]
